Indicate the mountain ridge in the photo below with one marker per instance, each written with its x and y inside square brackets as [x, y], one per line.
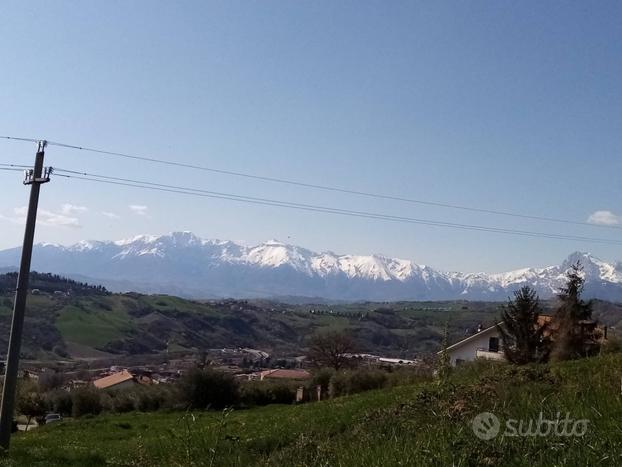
[183, 263]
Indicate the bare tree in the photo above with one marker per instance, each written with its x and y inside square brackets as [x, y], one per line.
[330, 349]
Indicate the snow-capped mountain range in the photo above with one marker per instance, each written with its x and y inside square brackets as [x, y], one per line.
[182, 263]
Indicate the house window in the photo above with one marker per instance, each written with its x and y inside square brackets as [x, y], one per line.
[493, 344]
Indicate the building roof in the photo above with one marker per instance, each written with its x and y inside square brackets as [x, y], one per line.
[285, 374]
[113, 380]
[470, 338]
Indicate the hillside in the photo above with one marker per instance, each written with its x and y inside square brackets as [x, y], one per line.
[67, 319]
[70, 319]
[425, 424]
[183, 264]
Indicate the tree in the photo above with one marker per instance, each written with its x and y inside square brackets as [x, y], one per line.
[521, 335]
[568, 336]
[86, 401]
[202, 389]
[50, 380]
[30, 403]
[330, 349]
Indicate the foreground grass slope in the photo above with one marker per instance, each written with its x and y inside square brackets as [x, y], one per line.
[426, 424]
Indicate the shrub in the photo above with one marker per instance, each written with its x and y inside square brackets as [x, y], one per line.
[266, 392]
[50, 380]
[283, 393]
[150, 398]
[202, 389]
[59, 401]
[366, 380]
[122, 402]
[352, 382]
[255, 393]
[322, 378]
[86, 401]
[338, 385]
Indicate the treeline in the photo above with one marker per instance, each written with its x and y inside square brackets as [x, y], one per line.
[199, 389]
[50, 283]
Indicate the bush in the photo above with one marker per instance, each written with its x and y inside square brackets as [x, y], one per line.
[86, 401]
[266, 392]
[322, 378]
[338, 385]
[122, 402]
[352, 382]
[283, 393]
[151, 398]
[202, 389]
[254, 393]
[366, 380]
[50, 380]
[59, 401]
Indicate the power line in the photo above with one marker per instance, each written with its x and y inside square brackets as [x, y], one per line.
[20, 167]
[11, 169]
[14, 138]
[322, 187]
[315, 208]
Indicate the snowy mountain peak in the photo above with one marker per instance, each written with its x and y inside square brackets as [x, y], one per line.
[183, 263]
[582, 257]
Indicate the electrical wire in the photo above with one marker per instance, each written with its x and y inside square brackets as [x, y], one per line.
[11, 169]
[320, 187]
[14, 138]
[315, 208]
[17, 165]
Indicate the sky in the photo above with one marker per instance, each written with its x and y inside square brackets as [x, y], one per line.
[512, 106]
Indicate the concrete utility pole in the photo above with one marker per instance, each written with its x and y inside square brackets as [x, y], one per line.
[34, 178]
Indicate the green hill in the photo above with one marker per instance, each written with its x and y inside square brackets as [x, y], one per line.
[426, 424]
[68, 319]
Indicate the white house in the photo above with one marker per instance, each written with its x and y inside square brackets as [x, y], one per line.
[484, 344]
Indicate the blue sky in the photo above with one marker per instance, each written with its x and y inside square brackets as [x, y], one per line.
[503, 105]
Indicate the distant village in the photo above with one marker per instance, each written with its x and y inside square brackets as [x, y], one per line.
[244, 364]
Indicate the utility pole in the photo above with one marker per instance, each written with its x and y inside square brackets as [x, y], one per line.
[34, 177]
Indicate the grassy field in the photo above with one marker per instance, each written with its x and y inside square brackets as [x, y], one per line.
[77, 325]
[426, 424]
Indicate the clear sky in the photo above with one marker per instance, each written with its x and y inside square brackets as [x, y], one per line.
[501, 105]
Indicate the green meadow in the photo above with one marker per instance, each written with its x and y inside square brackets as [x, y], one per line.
[428, 423]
